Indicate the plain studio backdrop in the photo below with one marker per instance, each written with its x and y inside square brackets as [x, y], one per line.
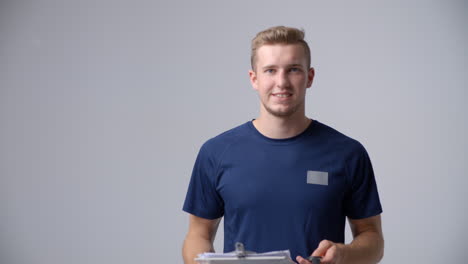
[105, 104]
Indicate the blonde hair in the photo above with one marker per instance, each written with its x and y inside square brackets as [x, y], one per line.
[278, 35]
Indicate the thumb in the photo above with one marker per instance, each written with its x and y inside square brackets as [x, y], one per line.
[302, 260]
[322, 248]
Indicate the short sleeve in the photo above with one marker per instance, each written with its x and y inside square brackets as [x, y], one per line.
[362, 198]
[202, 198]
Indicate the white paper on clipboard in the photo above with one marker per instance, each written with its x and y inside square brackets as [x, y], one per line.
[275, 257]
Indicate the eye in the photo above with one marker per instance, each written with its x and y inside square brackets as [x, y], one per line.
[294, 69]
[269, 70]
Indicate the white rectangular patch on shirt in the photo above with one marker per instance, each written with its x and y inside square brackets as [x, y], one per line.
[317, 177]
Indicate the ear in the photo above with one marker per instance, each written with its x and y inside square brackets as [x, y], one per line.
[310, 77]
[253, 79]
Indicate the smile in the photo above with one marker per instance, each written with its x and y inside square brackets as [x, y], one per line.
[282, 95]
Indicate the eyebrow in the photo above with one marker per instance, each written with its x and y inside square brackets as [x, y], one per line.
[275, 66]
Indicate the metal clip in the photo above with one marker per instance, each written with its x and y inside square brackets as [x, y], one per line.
[240, 250]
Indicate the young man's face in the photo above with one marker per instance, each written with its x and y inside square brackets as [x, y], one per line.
[281, 79]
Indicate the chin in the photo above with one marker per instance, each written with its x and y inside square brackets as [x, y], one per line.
[278, 110]
[282, 113]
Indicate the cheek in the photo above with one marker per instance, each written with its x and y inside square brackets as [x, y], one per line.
[300, 82]
[264, 85]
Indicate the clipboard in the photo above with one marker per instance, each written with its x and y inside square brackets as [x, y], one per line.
[247, 260]
[241, 256]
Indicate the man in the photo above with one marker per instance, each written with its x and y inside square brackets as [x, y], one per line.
[284, 181]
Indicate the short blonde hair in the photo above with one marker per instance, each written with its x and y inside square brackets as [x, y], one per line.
[278, 35]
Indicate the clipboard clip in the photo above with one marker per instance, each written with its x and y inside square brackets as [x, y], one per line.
[240, 251]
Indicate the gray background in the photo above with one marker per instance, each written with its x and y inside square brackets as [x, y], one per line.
[104, 105]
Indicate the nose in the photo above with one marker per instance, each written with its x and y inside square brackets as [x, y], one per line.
[282, 80]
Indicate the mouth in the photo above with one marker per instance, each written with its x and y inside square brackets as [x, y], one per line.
[282, 95]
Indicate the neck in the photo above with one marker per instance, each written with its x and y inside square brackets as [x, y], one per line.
[281, 127]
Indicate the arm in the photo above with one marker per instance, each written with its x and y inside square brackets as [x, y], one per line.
[366, 247]
[200, 237]
[368, 243]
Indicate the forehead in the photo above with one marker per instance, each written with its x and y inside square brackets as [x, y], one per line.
[281, 54]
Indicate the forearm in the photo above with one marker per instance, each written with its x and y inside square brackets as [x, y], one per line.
[367, 247]
[194, 245]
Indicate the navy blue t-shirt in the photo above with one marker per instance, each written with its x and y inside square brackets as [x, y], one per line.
[278, 194]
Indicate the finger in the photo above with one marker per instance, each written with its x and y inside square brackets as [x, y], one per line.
[330, 255]
[322, 248]
[302, 260]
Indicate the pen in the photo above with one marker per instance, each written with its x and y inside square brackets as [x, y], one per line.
[314, 260]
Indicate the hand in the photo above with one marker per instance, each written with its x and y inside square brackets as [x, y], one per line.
[333, 253]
